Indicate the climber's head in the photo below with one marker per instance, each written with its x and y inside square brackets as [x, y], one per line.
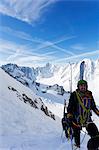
[82, 85]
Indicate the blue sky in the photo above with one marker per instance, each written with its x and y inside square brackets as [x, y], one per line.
[35, 32]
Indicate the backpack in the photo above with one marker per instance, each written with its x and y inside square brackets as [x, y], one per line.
[67, 127]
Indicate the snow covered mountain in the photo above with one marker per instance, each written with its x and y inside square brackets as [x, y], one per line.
[28, 76]
[23, 116]
[56, 77]
[60, 75]
[27, 120]
[23, 124]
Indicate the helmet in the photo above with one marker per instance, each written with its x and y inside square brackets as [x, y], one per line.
[80, 82]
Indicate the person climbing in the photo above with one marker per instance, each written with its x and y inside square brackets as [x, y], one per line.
[79, 110]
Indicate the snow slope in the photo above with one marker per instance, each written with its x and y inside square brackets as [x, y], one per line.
[23, 127]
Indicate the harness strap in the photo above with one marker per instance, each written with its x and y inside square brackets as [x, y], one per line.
[82, 105]
[84, 117]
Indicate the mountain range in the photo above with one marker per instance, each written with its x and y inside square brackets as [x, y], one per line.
[32, 104]
[56, 77]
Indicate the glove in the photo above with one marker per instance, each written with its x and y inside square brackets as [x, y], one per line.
[71, 122]
[76, 126]
[69, 118]
[69, 115]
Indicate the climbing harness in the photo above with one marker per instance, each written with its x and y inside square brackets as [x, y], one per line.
[83, 117]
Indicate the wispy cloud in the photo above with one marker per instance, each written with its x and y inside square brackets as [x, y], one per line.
[28, 11]
[20, 54]
[7, 46]
[20, 34]
[77, 57]
[78, 47]
[47, 44]
[98, 43]
[41, 43]
[17, 53]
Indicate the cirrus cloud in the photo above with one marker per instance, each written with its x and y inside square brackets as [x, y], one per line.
[27, 11]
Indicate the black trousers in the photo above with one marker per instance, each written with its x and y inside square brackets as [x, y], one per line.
[76, 135]
[92, 131]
